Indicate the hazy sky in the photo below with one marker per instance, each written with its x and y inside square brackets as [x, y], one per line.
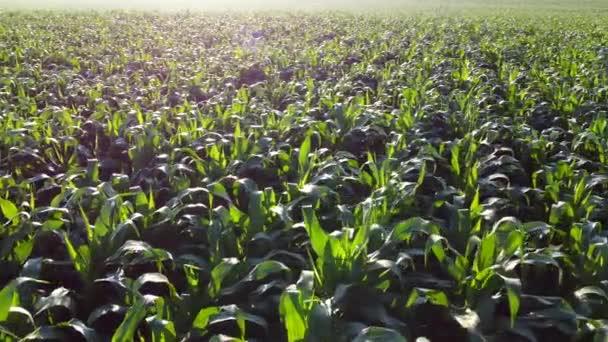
[295, 4]
[213, 4]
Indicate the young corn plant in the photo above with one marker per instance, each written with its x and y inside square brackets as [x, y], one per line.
[340, 256]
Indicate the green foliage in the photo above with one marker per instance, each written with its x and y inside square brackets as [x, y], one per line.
[309, 177]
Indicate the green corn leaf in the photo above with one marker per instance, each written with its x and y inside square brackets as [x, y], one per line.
[421, 174]
[9, 210]
[379, 334]
[475, 207]
[128, 327]
[7, 297]
[306, 283]
[220, 272]
[560, 211]
[80, 258]
[256, 212]
[361, 237]
[455, 162]
[7, 336]
[579, 191]
[293, 315]
[224, 338]
[104, 224]
[204, 316]
[319, 322]
[415, 225]
[217, 189]
[23, 250]
[154, 278]
[303, 160]
[515, 242]
[318, 237]
[420, 295]
[435, 245]
[87, 226]
[162, 330]
[213, 315]
[267, 268]
[592, 295]
[513, 286]
[486, 253]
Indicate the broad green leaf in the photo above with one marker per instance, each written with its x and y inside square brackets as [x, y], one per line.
[361, 237]
[454, 161]
[420, 295]
[438, 297]
[306, 283]
[103, 310]
[318, 237]
[267, 268]
[87, 333]
[104, 223]
[52, 225]
[25, 319]
[487, 252]
[559, 211]
[415, 225]
[435, 244]
[319, 322]
[91, 237]
[7, 296]
[7, 336]
[9, 210]
[379, 334]
[204, 315]
[536, 227]
[93, 170]
[513, 286]
[303, 160]
[579, 191]
[80, 258]
[421, 174]
[515, 242]
[513, 298]
[141, 202]
[476, 208]
[60, 297]
[256, 212]
[128, 327]
[213, 315]
[139, 251]
[293, 314]
[219, 273]
[524, 333]
[162, 330]
[224, 338]
[23, 249]
[156, 278]
[46, 333]
[217, 189]
[592, 291]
